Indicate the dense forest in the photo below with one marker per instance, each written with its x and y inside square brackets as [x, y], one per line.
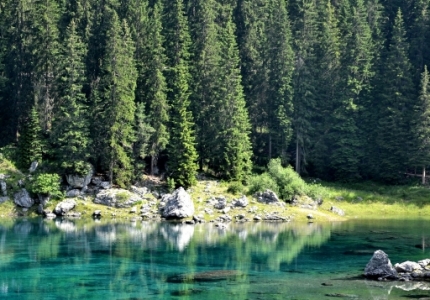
[337, 88]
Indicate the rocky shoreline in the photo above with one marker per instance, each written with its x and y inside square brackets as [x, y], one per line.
[380, 268]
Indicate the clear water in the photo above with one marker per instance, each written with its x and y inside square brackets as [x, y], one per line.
[66, 260]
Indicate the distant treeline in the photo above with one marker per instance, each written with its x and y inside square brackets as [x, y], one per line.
[337, 88]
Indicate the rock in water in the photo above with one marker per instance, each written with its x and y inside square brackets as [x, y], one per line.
[64, 207]
[380, 267]
[178, 205]
[22, 198]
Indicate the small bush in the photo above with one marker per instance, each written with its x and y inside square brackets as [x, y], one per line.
[46, 184]
[122, 197]
[260, 183]
[235, 187]
[284, 181]
[171, 185]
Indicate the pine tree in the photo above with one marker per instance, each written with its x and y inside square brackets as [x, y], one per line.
[70, 133]
[395, 108]
[234, 160]
[142, 139]
[18, 67]
[279, 65]
[358, 61]
[30, 142]
[328, 53]
[45, 50]
[419, 36]
[182, 152]
[421, 127]
[117, 107]
[206, 79]
[304, 80]
[152, 86]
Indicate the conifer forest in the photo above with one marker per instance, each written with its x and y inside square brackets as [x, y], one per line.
[339, 89]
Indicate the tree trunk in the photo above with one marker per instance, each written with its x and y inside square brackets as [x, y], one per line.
[297, 157]
[424, 175]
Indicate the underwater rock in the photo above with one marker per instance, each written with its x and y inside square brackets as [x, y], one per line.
[207, 276]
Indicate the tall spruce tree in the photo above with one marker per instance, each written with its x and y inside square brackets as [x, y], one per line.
[358, 60]
[421, 127]
[304, 80]
[45, 51]
[395, 107]
[143, 133]
[153, 87]
[18, 67]
[70, 132]
[30, 143]
[328, 53]
[234, 159]
[206, 79]
[182, 151]
[116, 106]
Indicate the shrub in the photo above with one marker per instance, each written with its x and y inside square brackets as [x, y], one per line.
[284, 181]
[171, 185]
[260, 183]
[288, 181]
[46, 184]
[235, 187]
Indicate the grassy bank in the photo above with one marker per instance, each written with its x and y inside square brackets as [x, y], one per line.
[360, 200]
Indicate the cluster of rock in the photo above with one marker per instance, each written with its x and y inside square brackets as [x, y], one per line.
[380, 268]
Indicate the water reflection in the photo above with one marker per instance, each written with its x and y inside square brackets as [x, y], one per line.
[122, 261]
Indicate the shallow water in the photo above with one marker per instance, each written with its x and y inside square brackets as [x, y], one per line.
[65, 260]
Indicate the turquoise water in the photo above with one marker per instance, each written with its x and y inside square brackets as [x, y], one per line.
[65, 260]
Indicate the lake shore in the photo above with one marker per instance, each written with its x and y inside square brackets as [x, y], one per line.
[373, 202]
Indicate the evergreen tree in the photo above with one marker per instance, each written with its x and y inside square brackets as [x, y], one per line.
[206, 79]
[421, 128]
[30, 141]
[182, 152]
[395, 109]
[328, 102]
[18, 67]
[358, 61]
[70, 133]
[234, 160]
[420, 36]
[152, 88]
[116, 106]
[45, 51]
[304, 80]
[279, 65]
[142, 139]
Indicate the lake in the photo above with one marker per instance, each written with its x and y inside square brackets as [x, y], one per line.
[63, 259]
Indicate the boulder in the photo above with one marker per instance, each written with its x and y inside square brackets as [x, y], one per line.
[407, 267]
[79, 181]
[43, 199]
[97, 214]
[96, 180]
[105, 185]
[268, 197]
[117, 198]
[380, 267]
[33, 166]
[140, 191]
[3, 188]
[220, 202]
[64, 207]
[337, 211]
[241, 202]
[23, 199]
[178, 205]
[73, 193]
